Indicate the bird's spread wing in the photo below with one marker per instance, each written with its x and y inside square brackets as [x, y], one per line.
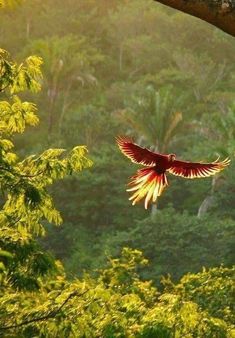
[136, 153]
[197, 170]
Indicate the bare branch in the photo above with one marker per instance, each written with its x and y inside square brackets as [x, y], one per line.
[220, 13]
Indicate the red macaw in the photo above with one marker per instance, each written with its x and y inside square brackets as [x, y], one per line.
[150, 182]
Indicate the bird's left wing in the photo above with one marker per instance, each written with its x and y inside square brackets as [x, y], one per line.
[197, 170]
[136, 153]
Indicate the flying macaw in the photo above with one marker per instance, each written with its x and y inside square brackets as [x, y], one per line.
[149, 182]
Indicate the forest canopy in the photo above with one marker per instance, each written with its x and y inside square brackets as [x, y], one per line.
[76, 259]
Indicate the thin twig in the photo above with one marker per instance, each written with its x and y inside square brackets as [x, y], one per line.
[51, 314]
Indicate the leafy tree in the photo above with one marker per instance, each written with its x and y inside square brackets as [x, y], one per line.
[118, 303]
[26, 202]
[177, 243]
[68, 66]
[211, 289]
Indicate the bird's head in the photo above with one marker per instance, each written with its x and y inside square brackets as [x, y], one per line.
[171, 157]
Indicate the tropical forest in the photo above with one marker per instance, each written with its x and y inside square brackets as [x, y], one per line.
[98, 97]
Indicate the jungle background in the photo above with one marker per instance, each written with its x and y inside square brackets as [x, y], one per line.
[114, 67]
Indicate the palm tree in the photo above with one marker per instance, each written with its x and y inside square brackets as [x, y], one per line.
[154, 116]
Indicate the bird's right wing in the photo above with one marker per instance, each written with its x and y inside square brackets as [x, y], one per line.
[197, 170]
[136, 153]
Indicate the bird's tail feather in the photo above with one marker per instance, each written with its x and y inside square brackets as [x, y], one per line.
[147, 183]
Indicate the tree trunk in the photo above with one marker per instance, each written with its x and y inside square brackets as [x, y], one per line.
[209, 200]
[206, 205]
[220, 13]
[120, 57]
[27, 29]
[51, 96]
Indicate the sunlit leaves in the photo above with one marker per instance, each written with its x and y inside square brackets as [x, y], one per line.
[10, 3]
[212, 289]
[26, 75]
[91, 307]
[15, 116]
[26, 202]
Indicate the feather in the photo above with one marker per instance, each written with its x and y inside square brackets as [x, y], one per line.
[197, 170]
[147, 183]
[138, 154]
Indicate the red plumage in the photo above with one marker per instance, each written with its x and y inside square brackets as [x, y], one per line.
[150, 182]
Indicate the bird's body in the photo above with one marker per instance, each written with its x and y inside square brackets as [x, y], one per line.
[149, 182]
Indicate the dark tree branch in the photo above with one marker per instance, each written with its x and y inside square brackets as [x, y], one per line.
[4, 88]
[22, 175]
[50, 315]
[220, 13]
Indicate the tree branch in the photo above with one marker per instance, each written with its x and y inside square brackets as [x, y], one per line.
[220, 13]
[21, 175]
[51, 314]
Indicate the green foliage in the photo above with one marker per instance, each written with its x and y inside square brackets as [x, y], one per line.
[25, 197]
[10, 3]
[117, 303]
[174, 243]
[20, 77]
[113, 67]
[211, 289]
